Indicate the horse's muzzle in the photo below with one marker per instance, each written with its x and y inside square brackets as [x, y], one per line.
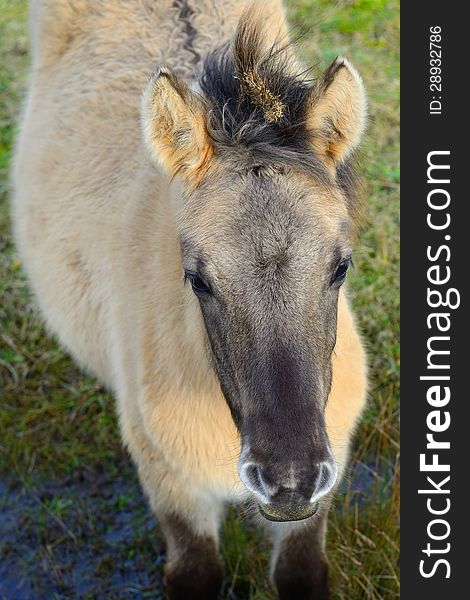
[288, 512]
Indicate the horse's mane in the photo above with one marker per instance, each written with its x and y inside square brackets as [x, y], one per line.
[259, 100]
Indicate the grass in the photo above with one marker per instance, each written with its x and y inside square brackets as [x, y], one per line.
[58, 430]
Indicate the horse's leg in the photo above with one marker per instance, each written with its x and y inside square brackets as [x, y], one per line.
[299, 568]
[193, 569]
[189, 518]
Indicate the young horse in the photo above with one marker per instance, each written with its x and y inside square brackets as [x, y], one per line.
[196, 268]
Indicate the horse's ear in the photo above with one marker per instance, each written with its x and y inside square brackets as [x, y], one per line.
[337, 112]
[174, 126]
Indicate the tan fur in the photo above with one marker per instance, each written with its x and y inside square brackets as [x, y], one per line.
[95, 223]
[173, 120]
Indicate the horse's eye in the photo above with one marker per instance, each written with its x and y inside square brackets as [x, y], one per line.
[341, 270]
[199, 286]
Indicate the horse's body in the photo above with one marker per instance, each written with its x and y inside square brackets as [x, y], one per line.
[96, 225]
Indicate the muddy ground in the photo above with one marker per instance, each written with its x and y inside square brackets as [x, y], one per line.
[86, 536]
[92, 536]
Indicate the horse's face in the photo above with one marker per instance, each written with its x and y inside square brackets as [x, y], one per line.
[266, 253]
[265, 226]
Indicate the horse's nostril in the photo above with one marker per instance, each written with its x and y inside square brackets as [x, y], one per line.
[284, 484]
[254, 476]
[250, 474]
[328, 472]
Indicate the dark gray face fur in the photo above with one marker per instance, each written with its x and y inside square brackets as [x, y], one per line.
[267, 249]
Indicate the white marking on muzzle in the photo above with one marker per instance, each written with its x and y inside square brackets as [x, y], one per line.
[243, 472]
[328, 476]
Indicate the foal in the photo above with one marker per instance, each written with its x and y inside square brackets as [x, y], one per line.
[196, 268]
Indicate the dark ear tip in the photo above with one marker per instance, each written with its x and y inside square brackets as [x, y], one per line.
[339, 66]
[164, 74]
[332, 70]
[161, 72]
